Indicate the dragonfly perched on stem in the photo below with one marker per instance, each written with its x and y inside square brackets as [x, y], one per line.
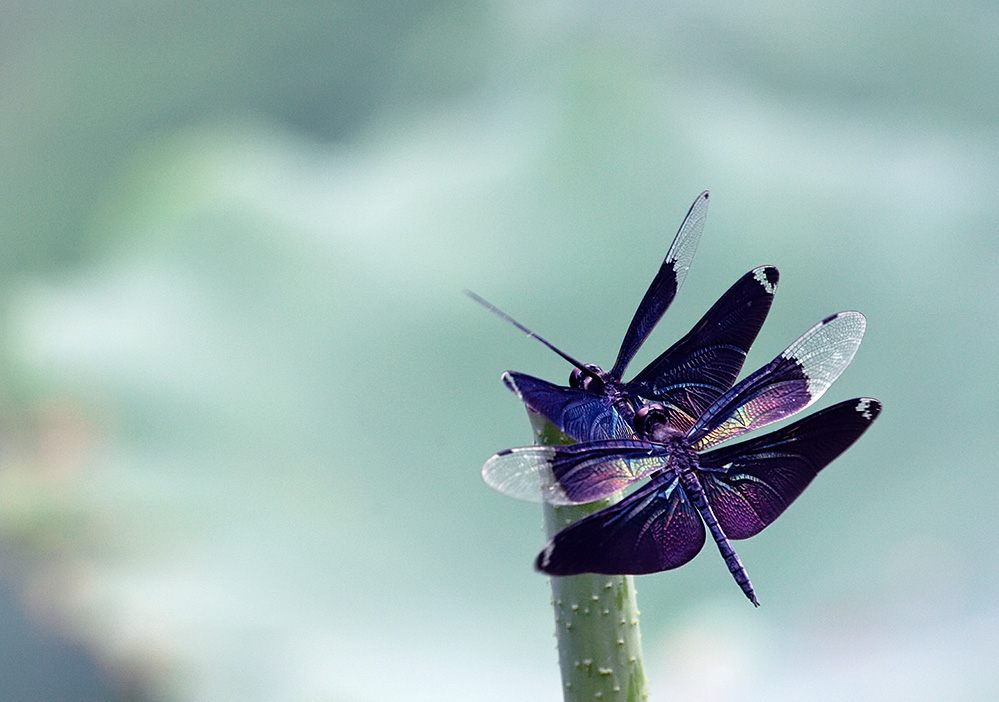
[735, 490]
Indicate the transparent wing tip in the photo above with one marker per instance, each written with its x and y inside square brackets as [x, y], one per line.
[524, 474]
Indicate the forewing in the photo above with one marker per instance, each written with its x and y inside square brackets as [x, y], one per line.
[704, 364]
[792, 381]
[655, 528]
[751, 483]
[581, 415]
[573, 474]
[665, 285]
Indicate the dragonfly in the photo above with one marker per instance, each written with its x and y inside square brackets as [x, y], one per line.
[736, 490]
[686, 378]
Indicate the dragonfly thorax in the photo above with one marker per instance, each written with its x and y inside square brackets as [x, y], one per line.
[652, 423]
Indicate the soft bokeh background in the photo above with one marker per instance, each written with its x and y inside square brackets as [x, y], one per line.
[243, 403]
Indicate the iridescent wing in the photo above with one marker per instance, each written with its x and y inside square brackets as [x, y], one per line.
[665, 285]
[686, 379]
[580, 414]
[695, 371]
[792, 381]
[751, 483]
[655, 528]
[572, 474]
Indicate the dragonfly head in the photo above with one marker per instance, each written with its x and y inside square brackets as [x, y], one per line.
[587, 377]
[652, 423]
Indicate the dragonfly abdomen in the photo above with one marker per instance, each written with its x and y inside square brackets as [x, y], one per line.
[692, 486]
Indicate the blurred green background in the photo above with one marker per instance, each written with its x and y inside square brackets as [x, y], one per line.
[243, 403]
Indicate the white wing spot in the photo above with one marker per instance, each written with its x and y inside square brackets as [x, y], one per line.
[864, 408]
[546, 557]
[761, 277]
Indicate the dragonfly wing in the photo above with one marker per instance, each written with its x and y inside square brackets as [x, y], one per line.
[751, 483]
[655, 528]
[581, 415]
[522, 473]
[573, 474]
[704, 364]
[665, 285]
[792, 381]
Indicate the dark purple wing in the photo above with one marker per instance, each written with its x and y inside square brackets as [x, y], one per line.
[664, 286]
[792, 381]
[581, 415]
[751, 483]
[695, 371]
[572, 474]
[655, 528]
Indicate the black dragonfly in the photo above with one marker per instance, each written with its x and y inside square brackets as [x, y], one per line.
[685, 379]
[735, 490]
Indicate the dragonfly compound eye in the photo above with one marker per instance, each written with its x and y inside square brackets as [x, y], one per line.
[649, 417]
[589, 381]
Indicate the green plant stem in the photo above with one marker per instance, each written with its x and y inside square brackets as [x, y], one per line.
[596, 616]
